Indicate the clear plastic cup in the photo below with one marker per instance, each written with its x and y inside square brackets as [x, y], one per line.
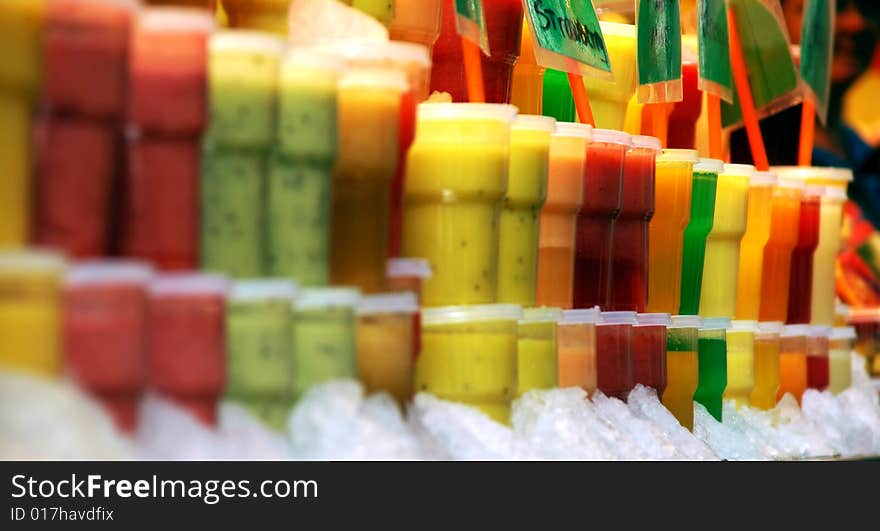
[751, 249]
[614, 358]
[537, 365]
[576, 344]
[741, 361]
[824, 287]
[712, 353]
[699, 226]
[776, 274]
[818, 358]
[649, 350]
[682, 368]
[840, 358]
[767, 375]
[793, 361]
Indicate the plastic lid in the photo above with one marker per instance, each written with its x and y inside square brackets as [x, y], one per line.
[456, 111]
[619, 318]
[585, 316]
[686, 321]
[397, 52]
[863, 315]
[574, 129]
[820, 331]
[744, 326]
[795, 330]
[384, 303]
[679, 155]
[175, 19]
[541, 315]
[715, 323]
[189, 284]
[102, 272]
[839, 333]
[32, 259]
[739, 169]
[264, 289]
[654, 319]
[308, 57]
[812, 190]
[834, 193]
[842, 175]
[709, 165]
[763, 178]
[470, 314]
[785, 182]
[616, 28]
[374, 77]
[610, 136]
[771, 327]
[646, 142]
[408, 267]
[311, 298]
[534, 122]
[248, 41]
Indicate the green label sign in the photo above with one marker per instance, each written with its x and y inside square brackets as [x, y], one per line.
[817, 41]
[715, 73]
[471, 23]
[568, 28]
[659, 41]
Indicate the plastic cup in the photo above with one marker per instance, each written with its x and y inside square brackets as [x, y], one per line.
[751, 249]
[609, 99]
[682, 368]
[712, 353]
[521, 209]
[469, 355]
[15, 158]
[741, 361]
[416, 21]
[705, 186]
[776, 273]
[536, 352]
[818, 358]
[793, 361]
[817, 176]
[527, 90]
[407, 274]
[558, 225]
[649, 350]
[840, 358]
[456, 179]
[800, 290]
[576, 345]
[387, 343]
[614, 357]
[22, 26]
[767, 369]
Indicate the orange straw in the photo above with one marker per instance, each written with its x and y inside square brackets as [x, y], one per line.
[808, 133]
[581, 99]
[747, 103]
[716, 149]
[473, 70]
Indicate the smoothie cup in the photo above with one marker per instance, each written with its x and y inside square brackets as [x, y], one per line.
[521, 208]
[712, 354]
[594, 243]
[741, 361]
[557, 100]
[455, 183]
[387, 342]
[15, 159]
[718, 294]
[266, 15]
[800, 289]
[416, 21]
[558, 225]
[751, 248]
[793, 361]
[527, 90]
[767, 344]
[369, 117]
[324, 344]
[576, 346]
[614, 357]
[629, 271]
[840, 358]
[504, 19]
[407, 274]
[30, 311]
[536, 352]
[186, 338]
[22, 26]
[672, 208]
[703, 192]
[469, 355]
[776, 272]
[819, 358]
[609, 99]
[649, 350]
[682, 368]
[818, 176]
[105, 331]
[867, 324]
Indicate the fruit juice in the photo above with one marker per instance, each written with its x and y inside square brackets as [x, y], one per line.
[266, 15]
[556, 233]
[824, 289]
[324, 344]
[386, 343]
[682, 368]
[469, 355]
[576, 347]
[818, 358]
[407, 274]
[767, 344]
[162, 210]
[74, 171]
[840, 358]
[85, 56]
[712, 354]
[15, 159]
[186, 338]
[649, 350]
[699, 226]
[527, 90]
[684, 116]
[800, 290]
[243, 73]
[718, 294]
[22, 25]
[456, 179]
[536, 351]
[30, 311]
[260, 364]
[104, 333]
[751, 249]
[168, 70]
[609, 99]
[867, 324]
[521, 208]
[793, 361]
[557, 100]
[776, 270]
[741, 361]
[504, 19]
[594, 242]
[369, 114]
[416, 21]
[672, 208]
[614, 357]
[817, 176]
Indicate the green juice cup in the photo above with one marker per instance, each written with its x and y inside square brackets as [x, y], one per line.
[712, 355]
[698, 229]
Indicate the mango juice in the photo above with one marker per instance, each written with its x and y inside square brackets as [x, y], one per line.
[527, 86]
[741, 361]
[840, 357]
[536, 351]
[767, 344]
[698, 228]
[777, 253]
[682, 368]
[15, 187]
[456, 180]
[386, 343]
[576, 347]
[830, 224]
[793, 361]
[751, 249]
[609, 99]
[521, 208]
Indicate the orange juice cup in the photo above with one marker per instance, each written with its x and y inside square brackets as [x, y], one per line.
[776, 272]
[576, 347]
[793, 361]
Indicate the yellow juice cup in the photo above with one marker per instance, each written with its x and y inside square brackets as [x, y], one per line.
[416, 21]
[15, 186]
[751, 249]
[21, 39]
[682, 368]
[740, 361]
[456, 180]
[719, 290]
[576, 347]
[840, 358]
[609, 99]
[30, 311]
[527, 90]
[469, 355]
[386, 343]
[776, 273]
[536, 354]
[521, 208]
[767, 337]
[672, 211]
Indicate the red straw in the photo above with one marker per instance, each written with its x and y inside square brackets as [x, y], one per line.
[747, 103]
[473, 70]
[581, 99]
[716, 149]
[808, 133]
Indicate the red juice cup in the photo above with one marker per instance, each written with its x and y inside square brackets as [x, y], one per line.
[629, 270]
[649, 350]
[504, 19]
[104, 333]
[84, 55]
[187, 341]
[800, 287]
[74, 169]
[684, 116]
[603, 184]
[614, 358]
[818, 358]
